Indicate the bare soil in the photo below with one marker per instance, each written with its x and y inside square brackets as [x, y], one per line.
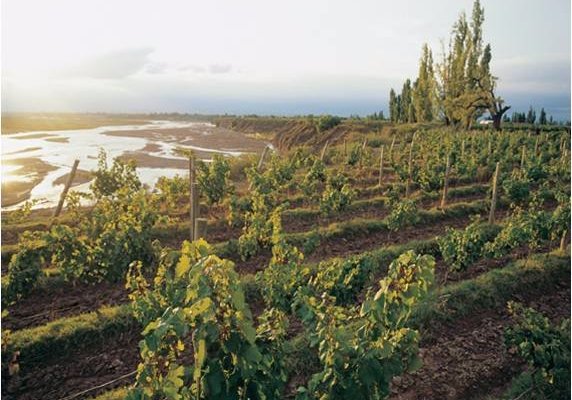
[468, 358]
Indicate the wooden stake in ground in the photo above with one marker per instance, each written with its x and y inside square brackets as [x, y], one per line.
[195, 206]
[494, 197]
[446, 183]
[193, 188]
[262, 157]
[563, 241]
[391, 149]
[381, 165]
[410, 168]
[200, 228]
[523, 157]
[67, 186]
[536, 147]
[324, 150]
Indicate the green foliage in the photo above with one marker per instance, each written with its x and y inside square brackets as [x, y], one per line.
[213, 178]
[109, 180]
[462, 247]
[561, 216]
[517, 188]
[22, 213]
[257, 230]
[169, 193]
[355, 155]
[279, 281]
[315, 176]
[546, 349]
[326, 122]
[344, 278]
[201, 303]
[25, 267]
[403, 213]
[360, 354]
[237, 209]
[524, 227]
[337, 196]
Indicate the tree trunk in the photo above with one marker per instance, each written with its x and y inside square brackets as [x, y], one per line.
[497, 119]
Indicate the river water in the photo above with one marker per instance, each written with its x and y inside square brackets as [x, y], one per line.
[61, 148]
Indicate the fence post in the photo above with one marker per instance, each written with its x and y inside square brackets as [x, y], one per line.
[381, 165]
[563, 241]
[324, 150]
[494, 197]
[262, 157]
[67, 186]
[391, 149]
[192, 189]
[410, 168]
[523, 157]
[200, 228]
[446, 183]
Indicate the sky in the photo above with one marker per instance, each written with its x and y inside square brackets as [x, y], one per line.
[264, 56]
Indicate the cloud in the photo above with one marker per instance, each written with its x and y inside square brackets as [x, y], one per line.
[550, 75]
[197, 69]
[215, 69]
[220, 68]
[113, 65]
[156, 68]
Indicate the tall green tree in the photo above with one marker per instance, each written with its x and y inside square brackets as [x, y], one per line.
[424, 95]
[531, 116]
[406, 114]
[393, 107]
[466, 85]
[542, 119]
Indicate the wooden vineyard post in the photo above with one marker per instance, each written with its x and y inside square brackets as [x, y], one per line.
[563, 241]
[194, 196]
[200, 228]
[362, 152]
[67, 186]
[195, 207]
[381, 165]
[410, 168]
[324, 150]
[494, 197]
[262, 157]
[523, 157]
[446, 183]
[391, 149]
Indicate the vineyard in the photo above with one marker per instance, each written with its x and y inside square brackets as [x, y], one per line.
[390, 262]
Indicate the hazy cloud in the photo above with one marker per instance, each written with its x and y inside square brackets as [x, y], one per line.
[156, 68]
[113, 65]
[220, 68]
[528, 75]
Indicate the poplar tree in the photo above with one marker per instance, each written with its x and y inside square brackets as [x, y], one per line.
[542, 119]
[406, 112]
[424, 95]
[393, 108]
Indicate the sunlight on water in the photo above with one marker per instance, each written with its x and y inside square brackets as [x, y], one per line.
[8, 173]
